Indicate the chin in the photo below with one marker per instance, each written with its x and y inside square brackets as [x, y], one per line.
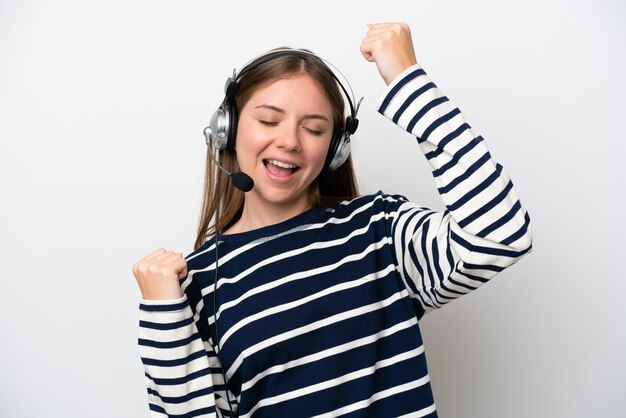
[285, 198]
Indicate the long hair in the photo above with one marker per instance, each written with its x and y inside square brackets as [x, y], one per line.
[328, 188]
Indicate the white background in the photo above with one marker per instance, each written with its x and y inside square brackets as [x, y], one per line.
[102, 105]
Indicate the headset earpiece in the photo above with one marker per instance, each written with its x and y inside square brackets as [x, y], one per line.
[351, 124]
[231, 87]
[233, 119]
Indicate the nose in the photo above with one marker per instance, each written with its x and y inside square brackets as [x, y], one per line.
[289, 137]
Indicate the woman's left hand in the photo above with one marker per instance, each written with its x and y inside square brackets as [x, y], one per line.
[389, 45]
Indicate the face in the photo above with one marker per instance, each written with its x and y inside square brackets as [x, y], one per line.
[283, 135]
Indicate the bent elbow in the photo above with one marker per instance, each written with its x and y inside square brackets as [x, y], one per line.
[521, 240]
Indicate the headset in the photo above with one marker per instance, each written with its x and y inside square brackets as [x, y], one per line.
[222, 129]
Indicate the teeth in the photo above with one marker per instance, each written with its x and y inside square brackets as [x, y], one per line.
[281, 164]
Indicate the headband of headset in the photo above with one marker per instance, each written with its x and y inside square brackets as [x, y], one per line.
[232, 84]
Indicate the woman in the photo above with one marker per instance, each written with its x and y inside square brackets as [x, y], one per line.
[307, 301]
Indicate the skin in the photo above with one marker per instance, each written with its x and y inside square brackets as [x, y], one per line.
[277, 125]
[289, 138]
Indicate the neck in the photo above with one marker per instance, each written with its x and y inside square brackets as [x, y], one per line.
[255, 216]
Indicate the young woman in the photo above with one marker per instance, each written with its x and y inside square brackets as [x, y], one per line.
[302, 298]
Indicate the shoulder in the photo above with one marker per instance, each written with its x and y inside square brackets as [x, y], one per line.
[369, 204]
[203, 255]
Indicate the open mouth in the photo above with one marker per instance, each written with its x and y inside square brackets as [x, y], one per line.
[280, 168]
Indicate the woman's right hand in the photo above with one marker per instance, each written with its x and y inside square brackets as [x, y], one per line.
[158, 275]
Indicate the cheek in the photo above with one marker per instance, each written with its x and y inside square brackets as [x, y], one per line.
[322, 155]
[249, 139]
[322, 150]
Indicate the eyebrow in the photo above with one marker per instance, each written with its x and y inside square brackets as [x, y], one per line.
[279, 110]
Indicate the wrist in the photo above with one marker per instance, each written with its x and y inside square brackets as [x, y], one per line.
[167, 293]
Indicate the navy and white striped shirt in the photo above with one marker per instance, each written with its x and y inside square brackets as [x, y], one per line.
[318, 315]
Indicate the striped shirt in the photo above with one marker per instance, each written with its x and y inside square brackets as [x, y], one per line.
[318, 315]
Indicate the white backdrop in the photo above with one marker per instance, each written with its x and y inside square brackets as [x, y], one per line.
[102, 105]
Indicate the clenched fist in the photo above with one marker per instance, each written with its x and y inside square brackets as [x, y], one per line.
[389, 45]
[158, 275]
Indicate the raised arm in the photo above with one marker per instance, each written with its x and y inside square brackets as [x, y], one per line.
[484, 229]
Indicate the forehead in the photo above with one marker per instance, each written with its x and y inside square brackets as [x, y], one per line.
[298, 93]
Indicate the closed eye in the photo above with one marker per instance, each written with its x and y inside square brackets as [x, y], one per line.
[314, 131]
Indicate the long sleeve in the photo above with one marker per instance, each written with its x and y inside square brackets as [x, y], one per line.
[176, 361]
[484, 229]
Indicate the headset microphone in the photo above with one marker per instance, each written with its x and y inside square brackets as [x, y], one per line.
[240, 180]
